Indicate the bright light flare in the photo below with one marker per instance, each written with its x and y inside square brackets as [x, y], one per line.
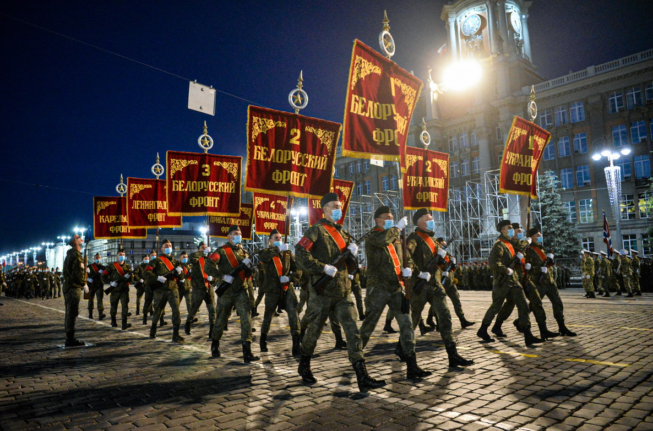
[596, 157]
[462, 75]
[625, 151]
[606, 153]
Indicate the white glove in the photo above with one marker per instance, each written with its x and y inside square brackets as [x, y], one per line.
[113, 284]
[141, 280]
[545, 269]
[161, 279]
[86, 290]
[353, 248]
[90, 280]
[209, 278]
[509, 271]
[550, 256]
[283, 279]
[229, 279]
[453, 260]
[425, 275]
[247, 262]
[527, 266]
[351, 277]
[179, 269]
[520, 256]
[88, 270]
[207, 250]
[402, 223]
[442, 253]
[127, 276]
[445, 274]
[588, 276]
[529, 240]
[407, 272]
[330, 270]
[283, 247]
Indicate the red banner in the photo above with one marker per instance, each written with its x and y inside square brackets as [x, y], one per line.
[343, 189]
[426, 181]
[289, 154]
[270, 213]
[521, 158]
[110, 219]
[203, 184]
[219, 225]
[147, 206]
[381, 99]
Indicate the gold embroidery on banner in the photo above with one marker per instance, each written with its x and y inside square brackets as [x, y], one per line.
[411, 159]
[344, 189]
[230, 167]
[136, 188]
[177, 165]
[443, 165]
[103, 204]
[326, 137]
[259, 200]
[262, 125]
[284, 204]
[247, 211]
[408, 91]
[362, 68]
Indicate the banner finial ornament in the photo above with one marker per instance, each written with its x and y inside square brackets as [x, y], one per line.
[298, 98]
[386, 41]
[425, 136]
[205, 141]
[122, 187]
[532, 105]
[157, 168]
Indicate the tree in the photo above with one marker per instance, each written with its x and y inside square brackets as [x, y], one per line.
[560, 234]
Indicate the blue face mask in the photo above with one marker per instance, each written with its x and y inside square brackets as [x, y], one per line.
[184, 260]
[167, 250]
[540, 239]
[97, 260]
[520, 235]
[146, 260]
[277, 243]
[387, 224]
[238, 239]
[121, 258]
[430, 225]
[511, 233]
[336, 214]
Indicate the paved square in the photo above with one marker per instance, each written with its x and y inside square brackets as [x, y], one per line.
[602, 379]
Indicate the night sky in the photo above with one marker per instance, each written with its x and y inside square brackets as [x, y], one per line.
[74, 117]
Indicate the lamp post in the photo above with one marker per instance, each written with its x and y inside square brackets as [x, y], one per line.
[34, 251]
[63, 239]
[613, 180]
[297, 212]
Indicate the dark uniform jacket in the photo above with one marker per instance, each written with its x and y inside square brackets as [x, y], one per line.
[73, 269]
[289, 266]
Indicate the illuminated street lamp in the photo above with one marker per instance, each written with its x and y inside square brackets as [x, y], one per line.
[34, 251]
[297, 212]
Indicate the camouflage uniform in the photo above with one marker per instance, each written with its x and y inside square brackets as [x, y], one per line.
[587, 269]
[358, 294]
[59, 280]
[452, 292]
[139, 278]
[120, 293]
[184, 285]
[596, 275]
[168, 293]
[202, 290]
[635, 269]
[544, 281]
[626, 273]
[95, 287]
[30, 283]
[74, 281]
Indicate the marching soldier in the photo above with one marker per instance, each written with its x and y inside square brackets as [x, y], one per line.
[596, 276]
[587, 268]
[202, 251]
[323, 244]
[279, 289]
[451, 289]
[503, 260]
[427, 258]
[234, 265]
[94, 279]
[162, 274]
[357, 290]
[202, 274]
[74, 282]
[30, 284]
[59, 277]
[605, 270]
[384, 256]
[118, 276]
[637, 289]
[184, 283]
[139, 277]
[149, 293]
[53, 284]
[626, 272]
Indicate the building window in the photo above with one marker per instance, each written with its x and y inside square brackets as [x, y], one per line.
[549, 152]
[620, 135]
[630, 242]
[335, 172]
[476, 165]
[580, 143]
[474, 139]
[616, 99]
[586, 211]
[368, 187]
[453, 143]
[454, 169]
[143, 245]
[649, 92]
[626, 170]
[358, 166]
[464, 140]
[384, 184]
[647, 245]
[583, 175]
[561, 115]
[499, 133]
[642, 167]
[645, 204]
[567, 178]
[501, 156]
[577, 112]
[588, 244]
[627, 207]
[366, 165]
[638, 132]
[634, 97]
[464, 167]
[546, 119]
[570, 207]
[393, 182]
[564, 148]
[351, 168]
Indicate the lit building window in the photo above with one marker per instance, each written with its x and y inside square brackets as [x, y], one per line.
[588, 243]
[586, 211]
[642, 167]
[567, 179]
[616, 100]
[638, 132]
[476, 165]
[626, 169]
[620, 135]
[546, 119]
[564, 148]
[634, 97]
[627, 207]
[464, 167]
[561, 115]
[577, 112]
[583, 176]
[570, 207]
[549, 152]
[580, 143]
[645, 204]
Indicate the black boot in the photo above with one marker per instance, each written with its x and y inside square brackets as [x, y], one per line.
[515, 322]
[304, 370]
[400, 352]
[455, 360]
[592, 295]
[340, 343]
[264, 342]
[430, 322]
[496, 329]
[423, 329]
[114, 323]
[295, 345]
[365, 382]
[102, 316]
[176, 338]
[545, 334]
[215, 349]
[564, 331]
[125, 325]
[162, 322]
[226, 326]
[90, 314]
[144, 318]
[465, 323]
[531, 339]
[482, 333]
[211, 329]
[71, 341]
[630, 295]
[618, 293]
[187, 328]
[388, 327]
[153, 330]
[413, 371]
[254, 313]
[606, 294]
[638, 293]
[248, 356]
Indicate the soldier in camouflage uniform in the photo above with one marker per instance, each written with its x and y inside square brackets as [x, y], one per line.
[183, 283]
[204, 272]
[149, 294]
[74, 282]
[118, 275]
[596, 276]
[30, 283]
[452, 290]
[161, 275]
[636, 264]
[279, 288]
[95, 285]
[386, 279]
[605, 268]
[626, 272]
[59, 278]
[139, 278]
[233, 256]
[322, 244]
[506, 283]
[357, 290]
[587, 273]
[422, 251]
[487, 276]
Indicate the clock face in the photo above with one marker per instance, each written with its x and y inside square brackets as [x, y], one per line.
[515, 20]
[471, 25]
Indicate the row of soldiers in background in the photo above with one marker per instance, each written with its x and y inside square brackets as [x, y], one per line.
[32, 282]
[478, 276]
[603, 274]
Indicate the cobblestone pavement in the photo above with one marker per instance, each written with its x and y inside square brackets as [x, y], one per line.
[602, 379]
